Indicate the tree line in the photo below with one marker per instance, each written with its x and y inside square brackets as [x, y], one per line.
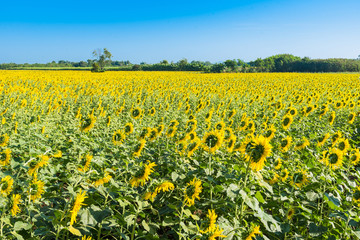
[276, 63]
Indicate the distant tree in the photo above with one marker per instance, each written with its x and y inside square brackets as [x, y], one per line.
[182, 63]
[136, 67]
[165, 62]
[230, 64]
[102, 58]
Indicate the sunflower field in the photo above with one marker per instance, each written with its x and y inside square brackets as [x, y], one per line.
[176, 155]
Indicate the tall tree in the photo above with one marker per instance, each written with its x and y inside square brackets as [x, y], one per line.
[102, 58]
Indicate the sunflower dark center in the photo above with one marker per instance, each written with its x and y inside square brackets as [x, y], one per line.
[286, 121]
[268, 133]
[284, 143]
[117, 137]
[342, 146]
[292, 112]
[257, 152]
[127, 128]
[333, 158]
[190, 190]
[211, 140]
[357, 195]
[4, 186]
[140, 173]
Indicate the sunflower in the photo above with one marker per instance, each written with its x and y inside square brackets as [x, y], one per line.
[250, 126]
[145, 132]
[152, 111]
[287, 120]
[343, 145]
[209, 115]
[290, 213]
[336, 137]
[231, 114]
[334, 158]
[191, 136]
[322, 140]
[256, 150]
[171, 131]
[58, 154]
[129, 128]
[5, 157]
[243, 124]
[192, 191]
[79, 201]
[324, 109]
[15, 201]
[86, 164]
[153, 134]
[193, 146]
[332, 118]
[118, 137]
[283, 175]
[173, 123]
[160, 129]
[270, 132]
[255, 231]
[142, 175]
[220, 126]
[6, 185]
[230, 144]
[36, 189]
[4, 140]
[136, 113]
[88, 123]
[274, 114]
[285, 144]
[299, 178]
[181, 147]
[191, 125]
[356, 196]
[278, 164]
[213, 230]
[103, 180]
[292, 111]
[212, 141]
[302, 144]
[355, 157]
[351, 118]
[164, 187]
[139, 147]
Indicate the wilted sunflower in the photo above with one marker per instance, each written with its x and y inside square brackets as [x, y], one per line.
[302, 144]
[88, 123]
[118, 137]
[4, 139]
[212, 141]
[355, 157]
[5, 157]
[299, 178]
[138, 148]
[334, 158]
[142, 175]
[14, 204]
[343, 145]
[6, 185]
[256, 151]
[285, 144]
[322, 140]
[192, 191]
[129, 128]
[332, 118]
[356, 196]
[287, 120]
[135, 113]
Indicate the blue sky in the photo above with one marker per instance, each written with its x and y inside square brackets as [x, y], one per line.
[150, 31]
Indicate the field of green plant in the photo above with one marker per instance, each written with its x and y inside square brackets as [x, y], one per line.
[176, 155]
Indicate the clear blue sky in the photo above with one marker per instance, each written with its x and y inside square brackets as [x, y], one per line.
[150, 31]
